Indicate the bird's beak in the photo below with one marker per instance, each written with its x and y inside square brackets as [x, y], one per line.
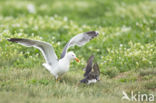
[77, 59]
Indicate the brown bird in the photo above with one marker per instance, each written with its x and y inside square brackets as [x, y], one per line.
[92, 72]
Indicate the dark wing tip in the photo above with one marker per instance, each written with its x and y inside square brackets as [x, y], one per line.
[14, 39]
[92, 33]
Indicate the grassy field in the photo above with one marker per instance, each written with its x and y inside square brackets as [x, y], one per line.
[125, 49]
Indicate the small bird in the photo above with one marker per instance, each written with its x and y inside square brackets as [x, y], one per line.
[92, 72]
[55, 66]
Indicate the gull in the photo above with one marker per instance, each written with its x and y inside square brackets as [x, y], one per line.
[92, 72]
[55, 66]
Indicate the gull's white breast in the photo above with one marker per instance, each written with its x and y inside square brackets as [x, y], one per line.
[62, 67]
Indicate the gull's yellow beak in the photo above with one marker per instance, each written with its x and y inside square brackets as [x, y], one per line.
[77, 59]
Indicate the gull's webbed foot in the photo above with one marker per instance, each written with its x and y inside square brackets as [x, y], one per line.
[58, 79]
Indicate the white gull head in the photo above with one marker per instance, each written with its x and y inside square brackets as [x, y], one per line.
[71, 55]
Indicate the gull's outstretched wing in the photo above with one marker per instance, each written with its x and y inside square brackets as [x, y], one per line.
[88, 68]
[79, 40]
[46, 49]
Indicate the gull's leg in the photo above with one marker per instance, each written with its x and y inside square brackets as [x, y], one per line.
[58, 79]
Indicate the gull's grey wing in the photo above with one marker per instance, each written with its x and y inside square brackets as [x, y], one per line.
[89, 65]
[79, 40]
[46, 49]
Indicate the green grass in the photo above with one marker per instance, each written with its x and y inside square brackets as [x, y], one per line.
[125, 49]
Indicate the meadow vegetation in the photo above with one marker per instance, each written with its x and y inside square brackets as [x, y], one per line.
[125, 49]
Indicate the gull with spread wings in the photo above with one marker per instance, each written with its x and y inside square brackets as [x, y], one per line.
[56, 66]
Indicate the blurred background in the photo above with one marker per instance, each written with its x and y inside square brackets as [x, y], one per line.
[126, 28]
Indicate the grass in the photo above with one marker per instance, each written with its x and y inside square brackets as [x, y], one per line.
[125, 49]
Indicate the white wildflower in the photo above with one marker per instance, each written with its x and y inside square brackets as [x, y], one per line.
[150, 62]
[55, 15]
[40, 38]
[66, 26]
[58, 43]
[31, 8]
[137, 23]
[65, 18]
[84, 26]
[53, 38]
[36, 27]
[16, 25]
[137, 63]
[52, 18]
[125, 29]
[6, 31]
[121, 45]
[142, 47]
[144, 59]
[90, 47]
[32, 34]
[118, 33]
[97, 50]
[21, 30]
[19, 34]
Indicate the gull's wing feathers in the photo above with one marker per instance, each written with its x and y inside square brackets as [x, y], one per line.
[46, 49]
[89, 65]
[96, 69]
[79, 40]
